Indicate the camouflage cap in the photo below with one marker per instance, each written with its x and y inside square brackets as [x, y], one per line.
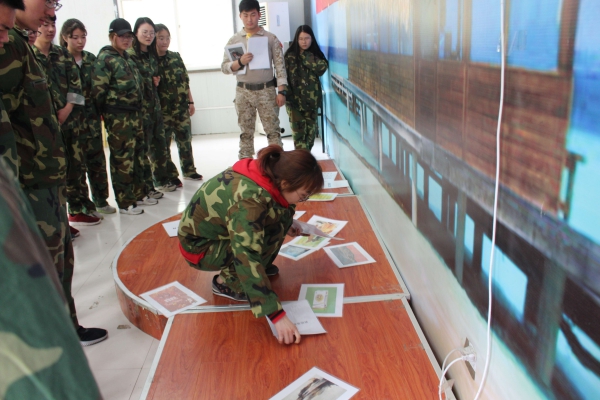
[120, 27]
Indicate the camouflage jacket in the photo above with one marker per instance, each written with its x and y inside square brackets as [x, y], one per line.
[8, 143]
[147, 64]
[304, 87]
[90, 120]
[174, 84]
[117, 83]
[259, 75]
[235, 208]
[39, 142]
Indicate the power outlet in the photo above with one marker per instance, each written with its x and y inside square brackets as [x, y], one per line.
[471, 364]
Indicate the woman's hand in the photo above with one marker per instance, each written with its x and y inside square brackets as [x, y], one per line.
[286, 331]
[295, 229]
[192, 109]
[64, 113]
[156, 80]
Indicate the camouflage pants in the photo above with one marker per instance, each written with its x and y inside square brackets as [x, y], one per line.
[247, 102]
[77, 190]
[304, 127]
[179, 127]
[8, 143]
[125, 136]
[49, 209]
[95, 164]
[158, 157]
[219, 257]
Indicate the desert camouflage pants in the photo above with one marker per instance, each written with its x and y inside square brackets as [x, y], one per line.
[125, 136]
[158, 156]
[49, 209]
[247, 102]
[304, 127]
[179, 127]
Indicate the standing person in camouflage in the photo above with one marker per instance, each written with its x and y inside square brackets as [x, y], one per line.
[67, 94]
[255, 89]
[304, 63]
[236, 223]
[177, 103]
[143, 53]
[73, 36]
[40, 148]
[118, 92]
[40, 355]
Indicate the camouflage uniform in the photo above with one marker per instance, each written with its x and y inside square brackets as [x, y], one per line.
[154, 129]
[236, 223]
[8, 143]
[34, 324]
[304, 96]
[65, 87]
[118, 92]
[40, 151]
[90, 134]
[173, 92]
[247, 102]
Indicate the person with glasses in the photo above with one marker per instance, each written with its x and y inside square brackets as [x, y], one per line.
[73, 36]
[304, 63]
[118, 93]
[176, 102]
[40, 150]
[237, 221]
[143, 54]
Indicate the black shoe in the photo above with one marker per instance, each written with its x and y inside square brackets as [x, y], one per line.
[90, 336]
[194, 177]
[176, 182]
[221, 290]
[272, 270]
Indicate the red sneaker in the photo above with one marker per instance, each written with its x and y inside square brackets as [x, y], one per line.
[74, 232]
[83, 219]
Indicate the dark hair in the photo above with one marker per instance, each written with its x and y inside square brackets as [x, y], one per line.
[16, 4]
[314, 46]
[68, 28]
[249, 5]
[136, 44]
[298, 168]
[161, 27]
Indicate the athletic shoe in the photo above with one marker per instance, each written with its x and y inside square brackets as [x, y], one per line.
[74, 232]
[96, 214]
[131, 210]
[147, 201]
[90, 336]
[107, 209]
[154, 194]
[272, 270]
[194, 177]
[167, 187]
[221, 290]
[176, 182]
[83, 220]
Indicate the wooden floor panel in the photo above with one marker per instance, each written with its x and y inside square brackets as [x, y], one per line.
[234, 356]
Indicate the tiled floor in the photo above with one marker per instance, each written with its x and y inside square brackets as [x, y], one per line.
[122, 362]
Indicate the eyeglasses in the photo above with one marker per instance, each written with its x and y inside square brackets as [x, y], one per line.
[302, 199]
[53, 4]
[148, 33]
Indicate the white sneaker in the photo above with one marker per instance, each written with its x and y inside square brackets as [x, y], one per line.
[155, 194]
[147, 201]
[107, 209]
[96, 214]
[169, 187]
[131, 210]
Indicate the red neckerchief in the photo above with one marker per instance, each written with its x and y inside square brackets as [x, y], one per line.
[250, 169]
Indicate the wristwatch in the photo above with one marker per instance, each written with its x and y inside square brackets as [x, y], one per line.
[283, 92]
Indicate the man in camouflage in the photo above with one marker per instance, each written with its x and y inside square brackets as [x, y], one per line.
[118, 92]
[255, 89]
[39, 358]
[39, 144]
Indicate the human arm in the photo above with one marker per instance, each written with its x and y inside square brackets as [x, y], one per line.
[287, 332]
[314, 64]
[64, 113]
[101, 75]
[156, 80]
[192, 109]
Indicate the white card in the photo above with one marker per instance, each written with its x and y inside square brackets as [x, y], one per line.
[172, 298]
[327, 184]
[300, 313]
[329, 176]
[298, 214]
[171, 227]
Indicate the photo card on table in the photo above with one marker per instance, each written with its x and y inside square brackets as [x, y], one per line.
[328, 226]
[323, 197]
[295, 253]
[310, 242]
[172, 298]
[317, 384]
[325, 299]
[301, 315]
[348, 255]
[171, 227]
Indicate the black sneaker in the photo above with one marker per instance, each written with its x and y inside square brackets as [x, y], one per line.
[194, 177]
[272, 270]
[221, 290]
[176, 182]
[90, 336]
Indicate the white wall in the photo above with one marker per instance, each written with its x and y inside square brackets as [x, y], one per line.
[96, 15]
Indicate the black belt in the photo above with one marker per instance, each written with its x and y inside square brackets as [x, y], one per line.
[256, 86]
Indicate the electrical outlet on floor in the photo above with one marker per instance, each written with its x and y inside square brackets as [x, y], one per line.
[467, 350]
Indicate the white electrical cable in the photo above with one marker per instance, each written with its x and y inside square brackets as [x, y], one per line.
[494, 220]
[446, 359]
[444, 374]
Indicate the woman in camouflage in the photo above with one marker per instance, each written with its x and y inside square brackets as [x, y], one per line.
[73, 36]
[304, 63]
[236, 223]
[176, 102]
